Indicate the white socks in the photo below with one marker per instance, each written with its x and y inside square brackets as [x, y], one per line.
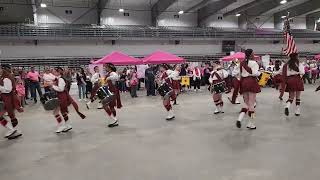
[241, 116]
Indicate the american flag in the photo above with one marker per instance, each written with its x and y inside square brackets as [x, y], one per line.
[291, 44]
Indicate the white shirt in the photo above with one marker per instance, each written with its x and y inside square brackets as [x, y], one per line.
[7, 86]
[174, 75]
[195, 74]
[275, 72]
[95, 78]
[222, 73]
[61, 85]
[291, 72]
[113, 76]
[254, 68]
[48, 78]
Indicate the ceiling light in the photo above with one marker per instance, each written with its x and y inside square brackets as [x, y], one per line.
[181, 12]
[238, 15]
[43, 5]
[283, 1]
[121, 10]
[283, 17]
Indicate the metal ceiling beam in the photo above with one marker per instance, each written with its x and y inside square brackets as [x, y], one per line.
[100, 6]
[261, 7]
[199, 5]
[158, 8]
[244, 7]
[295, 11]
[212, 8]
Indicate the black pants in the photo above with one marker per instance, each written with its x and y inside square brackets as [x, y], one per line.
[197, 82]
[150, 86]
[35, 87]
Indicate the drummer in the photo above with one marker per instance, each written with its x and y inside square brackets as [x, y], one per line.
[8, 96]
[217, 76]
[60, 87]
[111, 81]
[96, 84]
[164, 78]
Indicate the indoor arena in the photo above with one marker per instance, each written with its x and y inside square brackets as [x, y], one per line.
[159, 89]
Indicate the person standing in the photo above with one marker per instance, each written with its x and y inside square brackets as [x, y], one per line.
[150, 80]
[34, 79]
[196, 78]
[278, 78]
[176, 79]
[111, 81]
[235, 83]
[133, 79]
[81, 82]
[249, 87]
[10, 102]
[292, 72]
[218, 75]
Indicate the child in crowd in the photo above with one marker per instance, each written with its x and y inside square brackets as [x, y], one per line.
[21, 91]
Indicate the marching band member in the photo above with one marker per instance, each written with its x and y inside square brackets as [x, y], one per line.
[174, 75]
[278, 78]
[95, 81]
[292, 72]
[218, 75]
[164, 78]
[249, 87]
[61, 88]
[9, 98]
[236, 83]
[111, 80]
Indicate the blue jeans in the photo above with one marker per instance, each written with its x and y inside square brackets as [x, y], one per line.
[35, 86]
[82, 91]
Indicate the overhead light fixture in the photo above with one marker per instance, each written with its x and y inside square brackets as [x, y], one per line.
[181, 12]
[43, 5]
[283, 17]
[283, 1]
[121, 10]
[238, 15]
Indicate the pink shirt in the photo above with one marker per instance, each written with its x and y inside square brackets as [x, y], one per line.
[33, 76]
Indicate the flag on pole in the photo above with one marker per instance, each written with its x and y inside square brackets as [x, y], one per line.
[291, 44]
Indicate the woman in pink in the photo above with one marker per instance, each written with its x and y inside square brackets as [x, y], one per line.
[48, 79]
[133, 79]
[20, 91]
[197, 78]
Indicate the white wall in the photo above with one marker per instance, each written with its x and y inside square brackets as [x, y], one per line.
[188, 19]
[114, 17]
[100, 49]
[226, 22]
[58, 15]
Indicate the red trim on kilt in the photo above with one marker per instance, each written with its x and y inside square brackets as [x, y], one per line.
[249, 84]
[294, 83]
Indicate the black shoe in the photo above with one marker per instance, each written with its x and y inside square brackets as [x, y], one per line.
[252, 128]
[15, 135]
[238, 124]
[286, 111]
[115, 124]
[280, 98]
[297, 114]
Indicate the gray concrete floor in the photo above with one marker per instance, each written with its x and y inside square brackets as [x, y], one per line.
[197, 145]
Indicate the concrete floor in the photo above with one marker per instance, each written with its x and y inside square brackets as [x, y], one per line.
[197, 145]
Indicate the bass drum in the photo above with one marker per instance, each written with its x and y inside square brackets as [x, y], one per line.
[164, 90]
[105, 95]
[218, 88]
[50, 101]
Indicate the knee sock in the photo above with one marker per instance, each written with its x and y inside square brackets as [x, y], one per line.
[298, 102]
[251, 114]
[58, 118]
[14, 122]
[242, 113]
[65, 117]
[289, 102]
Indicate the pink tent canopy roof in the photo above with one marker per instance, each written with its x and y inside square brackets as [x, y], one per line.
[239, 55]
[159, 57]
[317, 57]
[118, 58]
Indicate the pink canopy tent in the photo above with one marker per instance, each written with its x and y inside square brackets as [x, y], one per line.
[118, 58]
[239, 55]
[160, 57]
[317, 57]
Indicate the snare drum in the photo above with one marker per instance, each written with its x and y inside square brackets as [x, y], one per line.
[105, 95]
[164, 90]
[218, 88]
[50, 101]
